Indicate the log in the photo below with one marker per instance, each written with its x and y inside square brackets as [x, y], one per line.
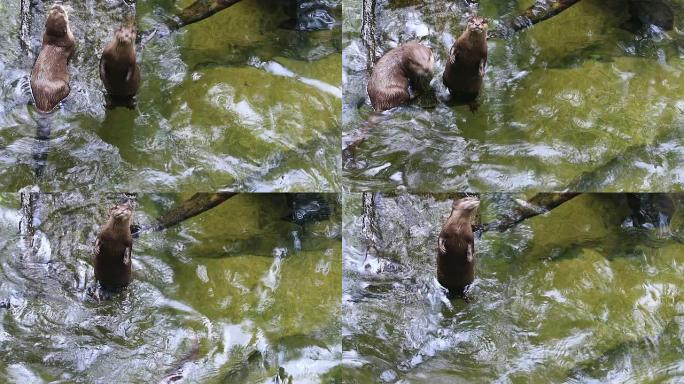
[198, 11]
[540, 11]
[539, 204]
[197, 204]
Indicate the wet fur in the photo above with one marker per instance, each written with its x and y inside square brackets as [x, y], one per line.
[456, 251]
[466, 64]
[50, 74]
[119, 70]
[388, 86]
[113, 250]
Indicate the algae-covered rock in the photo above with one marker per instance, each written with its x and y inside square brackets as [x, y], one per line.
[599, 108]
[251, 120]
[588, 217]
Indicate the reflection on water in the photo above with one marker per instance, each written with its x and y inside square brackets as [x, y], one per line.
[575, 295]
[204, 305]
[233, 102]
[574, 102]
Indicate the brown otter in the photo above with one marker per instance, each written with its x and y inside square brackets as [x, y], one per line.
[388, 86]
[456, 248]
[467, 60]
[119, 70]
[50, 74]
[113, 249]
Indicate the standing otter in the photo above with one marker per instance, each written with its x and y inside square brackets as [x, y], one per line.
[456, 248]
[119, 70]
[388, 86]
[50, 74]
[467, 61]
[113, 249]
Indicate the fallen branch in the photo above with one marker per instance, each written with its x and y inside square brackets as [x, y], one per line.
[539, 204]
[198, 203]
[197, 11]
[540, 11]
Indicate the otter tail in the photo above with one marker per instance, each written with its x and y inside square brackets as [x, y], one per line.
[42, 144]
[178, 373]
[350, 150]
[48, 94]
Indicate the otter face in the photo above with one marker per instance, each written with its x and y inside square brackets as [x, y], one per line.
[57, 23]
[121, 212]
[477, 25]
[420, 61]
[126, 35]
[467, 204]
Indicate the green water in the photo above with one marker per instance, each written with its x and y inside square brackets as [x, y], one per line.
[573, 296]
[574, 102]
[247, 311]
[232, 102]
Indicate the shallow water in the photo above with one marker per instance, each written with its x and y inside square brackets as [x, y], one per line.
[228, 301]
[232, 102]
[573, 296]
[574, 102]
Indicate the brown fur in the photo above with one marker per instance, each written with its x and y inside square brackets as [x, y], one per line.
[388, 86]
[119, 70]
[456, 248]
[113, 249]
[50, 74]
[465, 67]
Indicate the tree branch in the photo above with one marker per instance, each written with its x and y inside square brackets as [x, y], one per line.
[540, 11]
[197, 204]
[197, 11]
[539, 204]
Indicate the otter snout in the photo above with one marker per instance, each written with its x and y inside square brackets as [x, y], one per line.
[468, 204]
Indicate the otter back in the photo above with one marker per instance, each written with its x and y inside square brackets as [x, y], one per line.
[50, 74]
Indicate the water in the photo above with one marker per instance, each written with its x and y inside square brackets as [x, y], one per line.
[232, 102]
[225, 301]
[574, 102]
[573, 296]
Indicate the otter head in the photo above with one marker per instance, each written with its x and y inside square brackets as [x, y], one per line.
[465, 206]
[121, 213]
[477, 26]
[57, 23]
[420, 61]
[126, 35]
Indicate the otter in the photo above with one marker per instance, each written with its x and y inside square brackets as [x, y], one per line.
[388, 86]
[467, 61]
[50, 74]
[456, 248]
[119, 70]
[113, 249]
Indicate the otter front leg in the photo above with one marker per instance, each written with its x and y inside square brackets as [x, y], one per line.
[127, 256]
[103, 73]
[441, 245]
[129, 74]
